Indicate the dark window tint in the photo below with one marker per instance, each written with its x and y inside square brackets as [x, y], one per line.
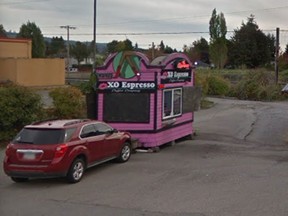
[102, 128]
[88, 131]
[40, 136]
[68, 134]
[167, 103]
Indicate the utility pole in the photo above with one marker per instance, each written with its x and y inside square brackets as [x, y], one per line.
[67, 27]
[277, 56]
[94, 38]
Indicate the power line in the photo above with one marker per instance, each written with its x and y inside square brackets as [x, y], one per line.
[153, 33]
[163, 19]
[190, 17]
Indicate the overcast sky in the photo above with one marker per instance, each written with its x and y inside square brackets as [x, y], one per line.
[129, 18]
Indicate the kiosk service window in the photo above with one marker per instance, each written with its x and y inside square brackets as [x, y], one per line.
[172, 103]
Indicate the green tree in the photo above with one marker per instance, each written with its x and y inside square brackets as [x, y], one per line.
[33, 32]
[2, 31]
[128, 45]
[162, 46]
[117, 46]
[250, 46]
[111, 47]
[80, 51]
[56, 48]
[201, 50]
[136, 46]
[218, 47]
[168, 50]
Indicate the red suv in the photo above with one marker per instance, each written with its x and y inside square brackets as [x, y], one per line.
[64, 148]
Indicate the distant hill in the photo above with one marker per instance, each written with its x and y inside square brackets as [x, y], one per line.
[101, 47]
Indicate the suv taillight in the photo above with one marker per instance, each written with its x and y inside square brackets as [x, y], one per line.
[8, 149]
[60, 151]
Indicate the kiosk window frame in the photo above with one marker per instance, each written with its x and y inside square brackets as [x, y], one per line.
[172, 103]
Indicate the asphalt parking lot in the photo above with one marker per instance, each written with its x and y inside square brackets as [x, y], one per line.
[235, 166]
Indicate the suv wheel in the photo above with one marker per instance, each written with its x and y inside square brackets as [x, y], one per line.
[125, 153]
[76, 171]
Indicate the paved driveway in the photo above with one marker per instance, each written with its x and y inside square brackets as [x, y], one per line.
[235, 166]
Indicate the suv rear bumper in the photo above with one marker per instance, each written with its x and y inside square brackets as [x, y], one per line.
[26, 171]
[34, 174]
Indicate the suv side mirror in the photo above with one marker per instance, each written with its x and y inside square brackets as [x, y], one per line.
[110, 132]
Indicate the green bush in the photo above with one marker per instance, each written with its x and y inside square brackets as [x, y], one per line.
[19, 106]
[212, 84]
[259, 85]
[68, 103]
[283, 76]
[217, 85]
[201, 80]
[256, 84]
[247, 90]
[271, 92]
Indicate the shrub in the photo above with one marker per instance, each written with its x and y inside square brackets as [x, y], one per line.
[68, 103]
[284, 76]
[247, 90]
[217, 85]
[19, 106]
[201, 80]
[259, 85]
[271, 93]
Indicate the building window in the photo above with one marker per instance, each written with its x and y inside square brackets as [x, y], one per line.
[172, 103]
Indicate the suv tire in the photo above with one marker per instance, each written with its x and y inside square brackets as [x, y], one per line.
[76, 171]
[125, 153]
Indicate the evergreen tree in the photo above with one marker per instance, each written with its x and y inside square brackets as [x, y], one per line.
[250, 46]
[56, 48]
[2, 31]
[168, 50]
[80, 51]
[33, 32]
[201, 49]
[162, 46]
[218, 47]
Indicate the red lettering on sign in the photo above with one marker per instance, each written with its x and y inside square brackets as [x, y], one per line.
[183, 65]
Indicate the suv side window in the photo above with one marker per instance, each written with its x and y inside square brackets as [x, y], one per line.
[68, 134]
[102, 128]
[88, 131]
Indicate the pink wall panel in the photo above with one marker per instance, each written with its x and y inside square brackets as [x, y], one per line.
[160, 138]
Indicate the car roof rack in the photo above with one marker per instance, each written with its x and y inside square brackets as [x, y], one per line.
[76, 121]
[43, 121]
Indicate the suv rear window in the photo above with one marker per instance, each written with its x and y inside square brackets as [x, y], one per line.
[40, 136]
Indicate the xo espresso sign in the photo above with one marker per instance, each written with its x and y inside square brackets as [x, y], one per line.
[126, 87]
[175, 76]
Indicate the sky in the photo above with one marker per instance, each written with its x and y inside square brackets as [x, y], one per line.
[176, 23]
